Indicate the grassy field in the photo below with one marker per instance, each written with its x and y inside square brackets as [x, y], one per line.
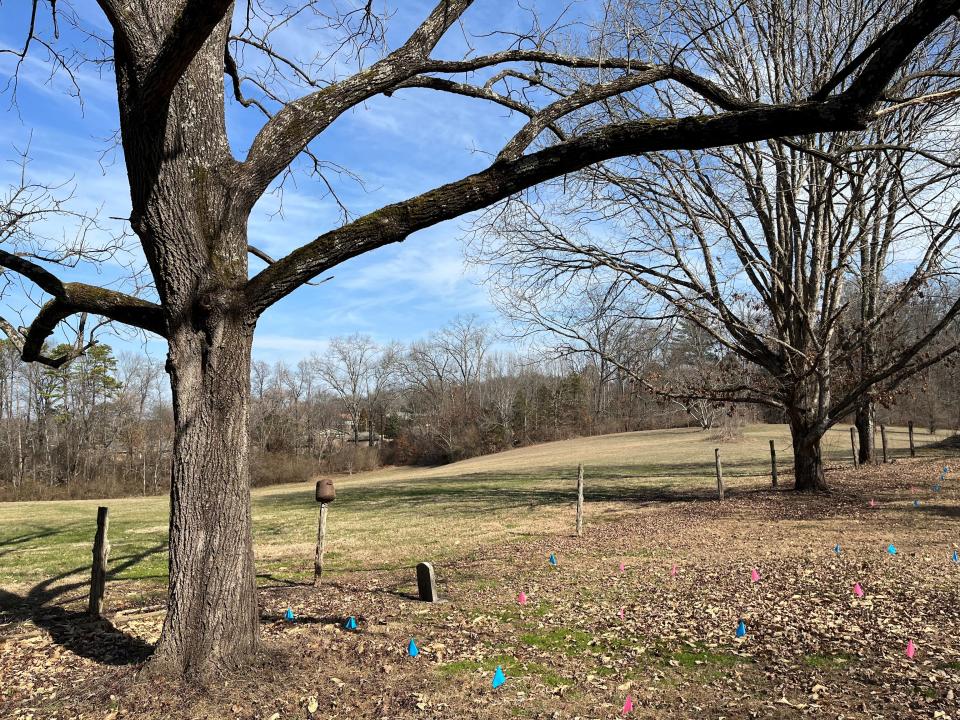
[399, 516]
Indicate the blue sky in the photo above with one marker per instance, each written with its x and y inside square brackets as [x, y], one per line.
[400, 146]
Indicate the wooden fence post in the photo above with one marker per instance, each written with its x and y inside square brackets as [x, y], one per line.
[773, 464]
[321, 536]
[913, 450]
[883, 440]
[579, 500]
[853, 447]
[98, 573]
[716, 454]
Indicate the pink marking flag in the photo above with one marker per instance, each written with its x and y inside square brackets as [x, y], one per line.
[873, 503]
[622, 568]
[673, 571]
[620, 614]
[754, 575]
[857, 590]
[911, 649]
[522, 598]
[628, 705]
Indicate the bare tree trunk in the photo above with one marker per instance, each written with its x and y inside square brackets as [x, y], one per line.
[212, 619]
[865, 421]
[807, 458]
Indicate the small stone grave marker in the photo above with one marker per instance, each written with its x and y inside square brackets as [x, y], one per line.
[426, 583]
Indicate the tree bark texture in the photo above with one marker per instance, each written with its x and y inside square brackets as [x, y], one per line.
[865, 421]
[807, 458]
[212, 618]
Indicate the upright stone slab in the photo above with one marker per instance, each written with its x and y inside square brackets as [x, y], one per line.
[426, 583]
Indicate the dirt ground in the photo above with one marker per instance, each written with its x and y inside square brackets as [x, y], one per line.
[811, 647]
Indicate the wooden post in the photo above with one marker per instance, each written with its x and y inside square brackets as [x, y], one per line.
[716, 454]
[883, 440]
[318, 555]
[579, 500]
[98, 574]
[913, 450]
[773, 464]
[853, 447]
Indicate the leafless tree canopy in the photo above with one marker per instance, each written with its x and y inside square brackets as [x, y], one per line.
[797, 256]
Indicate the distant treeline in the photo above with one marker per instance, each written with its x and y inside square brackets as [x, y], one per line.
[102, 425]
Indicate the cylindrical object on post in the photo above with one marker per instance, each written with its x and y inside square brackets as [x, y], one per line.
[913, 450]
[716, 454]
[325, 491]
[321, 535]
[883, 439]
[98, 573]
[853, 447]
[579, 500]
[773, 463]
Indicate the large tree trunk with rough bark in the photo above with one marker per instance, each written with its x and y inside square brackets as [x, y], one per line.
[807, 458]
[190, 213]
[212, 618]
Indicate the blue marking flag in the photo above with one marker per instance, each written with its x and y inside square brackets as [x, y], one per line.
[741, 629]
[916, 503]
[891, 548]
[498, 678]
[956, 557]
[836, 548]
[288, 616]
[351, 623]
[413, 649]
[553, 559]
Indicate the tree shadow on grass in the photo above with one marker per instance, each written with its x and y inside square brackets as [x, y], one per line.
[280, 582]
[9, 544]
[94, 638]
[480, 493]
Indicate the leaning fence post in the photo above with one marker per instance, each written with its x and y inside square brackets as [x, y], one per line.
[98, 573]
[913, 450]
[773, 464]
[579, 500]
[883, 440]
[716, 454]
[853, 447]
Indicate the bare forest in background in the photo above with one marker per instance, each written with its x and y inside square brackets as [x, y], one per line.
[102, 426]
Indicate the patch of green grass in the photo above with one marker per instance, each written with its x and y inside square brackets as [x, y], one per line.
[549, 677]
[458, 667]
[827, 661]
[695, 658]
[512, 667]
[541, 609]
[566, 640]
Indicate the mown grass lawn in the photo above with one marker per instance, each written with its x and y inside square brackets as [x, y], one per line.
[399, 516]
